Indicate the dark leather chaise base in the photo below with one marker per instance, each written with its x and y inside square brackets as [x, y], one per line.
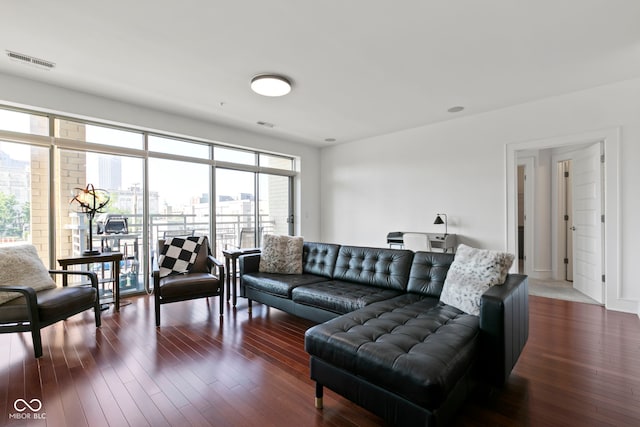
[417, 347]
[394, 409]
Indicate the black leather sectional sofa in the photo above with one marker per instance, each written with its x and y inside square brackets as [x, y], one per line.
[385, 340]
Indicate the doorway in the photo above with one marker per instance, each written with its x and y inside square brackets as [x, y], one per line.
[542, 259]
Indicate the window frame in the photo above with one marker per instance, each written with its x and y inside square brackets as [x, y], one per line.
[54, 144]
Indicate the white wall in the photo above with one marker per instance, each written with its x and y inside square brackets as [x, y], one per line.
[31, 94]
[400, 181]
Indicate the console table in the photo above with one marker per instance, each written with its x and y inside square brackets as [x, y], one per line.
[231, 260]
[109, 257]
[444, 242]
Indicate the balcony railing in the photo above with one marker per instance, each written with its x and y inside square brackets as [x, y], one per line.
[232, 231]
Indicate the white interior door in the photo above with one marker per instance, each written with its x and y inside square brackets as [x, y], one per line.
[587, 223]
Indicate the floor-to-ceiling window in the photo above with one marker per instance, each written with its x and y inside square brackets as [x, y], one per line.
[111, 161]
[254, 200]
[179, 190]
[24, 203]
[235, 209]
[24, 181]
[274, 203]
[158, 186]
[275, 194]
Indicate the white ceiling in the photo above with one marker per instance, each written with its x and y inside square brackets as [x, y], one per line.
[359, 67]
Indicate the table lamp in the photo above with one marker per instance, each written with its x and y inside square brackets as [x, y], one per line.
[440, 221]
[90, 201]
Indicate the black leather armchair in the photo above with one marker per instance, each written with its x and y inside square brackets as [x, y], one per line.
[34, 310]
[202, 281]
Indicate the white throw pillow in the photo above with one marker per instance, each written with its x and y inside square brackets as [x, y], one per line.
[281, 254]
[471, 274]
[20, 265]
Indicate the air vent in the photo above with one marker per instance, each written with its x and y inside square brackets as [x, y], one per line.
[40, 63]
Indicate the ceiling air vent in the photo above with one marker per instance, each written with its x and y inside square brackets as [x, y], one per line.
[40, 63]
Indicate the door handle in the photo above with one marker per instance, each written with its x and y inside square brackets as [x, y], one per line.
[573, 228]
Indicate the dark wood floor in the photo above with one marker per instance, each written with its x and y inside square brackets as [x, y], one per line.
[580, 367]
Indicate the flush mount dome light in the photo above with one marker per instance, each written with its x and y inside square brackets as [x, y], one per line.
[270, 85]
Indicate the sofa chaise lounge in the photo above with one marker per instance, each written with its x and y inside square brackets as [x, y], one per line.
[386, 341]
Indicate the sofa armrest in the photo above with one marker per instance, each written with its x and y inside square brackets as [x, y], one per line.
[249, 263]
[504, 327]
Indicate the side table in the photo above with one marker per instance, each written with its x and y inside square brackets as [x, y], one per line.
[109, 257]
[231, 260]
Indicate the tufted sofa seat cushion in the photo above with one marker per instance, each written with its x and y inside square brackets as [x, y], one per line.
[279, 284]
[410, 344]
[340, 297]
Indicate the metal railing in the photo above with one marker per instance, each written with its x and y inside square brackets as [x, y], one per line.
[232, 231]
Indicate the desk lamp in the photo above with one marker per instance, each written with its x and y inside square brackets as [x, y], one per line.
[440, 221]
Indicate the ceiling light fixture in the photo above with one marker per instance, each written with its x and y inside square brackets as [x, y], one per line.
[270, 85]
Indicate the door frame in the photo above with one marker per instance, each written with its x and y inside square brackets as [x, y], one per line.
[610, 138]
[529, 190]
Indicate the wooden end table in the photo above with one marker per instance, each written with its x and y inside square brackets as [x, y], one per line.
[231, 259]
[108, 257]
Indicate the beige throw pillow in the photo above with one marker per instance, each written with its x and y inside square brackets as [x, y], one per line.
[20, 265]
[471, 274]
[281, 254]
